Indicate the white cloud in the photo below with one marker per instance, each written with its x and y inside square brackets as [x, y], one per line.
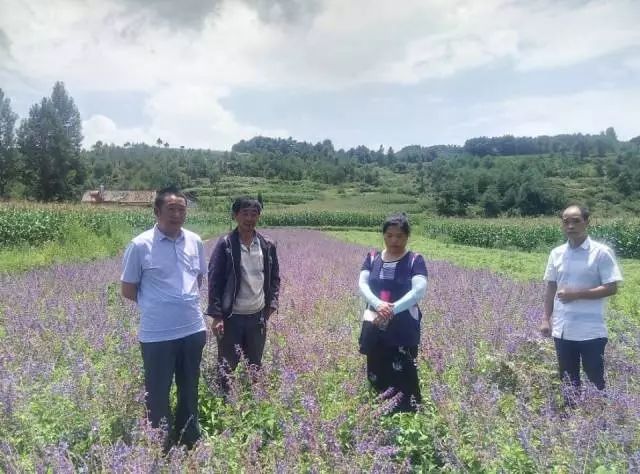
[182, 116]
[193, 116]
[185, 71]
[559, 36]
[105, 45]
[532, 35]
[348, 43]
[633, 63]
[582, 112]
[445, 55]
[92, 46]
[102, 128]
[96, 46]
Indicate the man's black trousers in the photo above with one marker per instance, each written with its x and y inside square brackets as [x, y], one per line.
[591, 352]
[244, 335]
[162, 361]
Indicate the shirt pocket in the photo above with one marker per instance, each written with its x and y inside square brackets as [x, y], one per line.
[192, 264]
[149, 264]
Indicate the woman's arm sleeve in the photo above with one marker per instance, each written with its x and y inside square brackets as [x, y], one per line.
[363, 284]
[413, 296]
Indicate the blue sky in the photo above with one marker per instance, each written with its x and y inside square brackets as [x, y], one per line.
[393, 73]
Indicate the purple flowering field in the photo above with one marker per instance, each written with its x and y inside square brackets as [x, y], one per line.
[71, 394]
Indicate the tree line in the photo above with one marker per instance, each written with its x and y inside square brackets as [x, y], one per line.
[42, 158]
[536, 176]
[582, 145]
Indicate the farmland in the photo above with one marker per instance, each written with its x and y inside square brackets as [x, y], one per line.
[71, 394]
[36, 235]
[533, 234]
[24, 229]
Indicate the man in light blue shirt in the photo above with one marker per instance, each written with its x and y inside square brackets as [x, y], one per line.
[580, 274]
[162, 272]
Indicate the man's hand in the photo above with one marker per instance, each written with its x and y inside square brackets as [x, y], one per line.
[545, 328]
[566, 296]
[129, 291]
[217, 326]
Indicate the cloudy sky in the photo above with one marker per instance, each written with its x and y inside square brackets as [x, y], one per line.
[207, 73]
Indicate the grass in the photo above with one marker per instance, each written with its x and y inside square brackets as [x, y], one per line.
[303, 196]
[81, 245]
[482, 401]
[521, 266]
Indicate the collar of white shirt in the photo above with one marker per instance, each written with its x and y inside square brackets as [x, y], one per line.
[254, 242]
[586, 245]
[159, 235]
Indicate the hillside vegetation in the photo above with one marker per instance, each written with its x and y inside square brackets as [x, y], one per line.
[42, 159]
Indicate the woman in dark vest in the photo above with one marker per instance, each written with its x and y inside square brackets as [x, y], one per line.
[393, 282]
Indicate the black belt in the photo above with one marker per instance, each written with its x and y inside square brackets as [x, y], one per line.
[256, 314]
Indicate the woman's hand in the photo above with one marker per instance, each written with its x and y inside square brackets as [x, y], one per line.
[385, 310]
[384, 314]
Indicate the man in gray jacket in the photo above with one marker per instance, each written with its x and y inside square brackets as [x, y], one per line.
[244, 285]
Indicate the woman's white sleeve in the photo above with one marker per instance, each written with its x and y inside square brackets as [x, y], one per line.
[413, 296]
[363, 284]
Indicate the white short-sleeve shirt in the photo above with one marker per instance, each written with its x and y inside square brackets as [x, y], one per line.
[587, 266]
[166, 271]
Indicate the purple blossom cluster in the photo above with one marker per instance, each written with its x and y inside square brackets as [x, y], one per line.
[71, 392]
[493, 379]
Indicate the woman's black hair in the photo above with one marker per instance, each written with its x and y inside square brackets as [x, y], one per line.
[400, 219]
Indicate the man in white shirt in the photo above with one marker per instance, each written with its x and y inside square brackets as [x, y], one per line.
[163, 269]
[580, 274]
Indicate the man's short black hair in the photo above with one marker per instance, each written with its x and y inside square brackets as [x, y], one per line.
[400, 219]
[584, 211]
[245, 202]
[162, 194]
